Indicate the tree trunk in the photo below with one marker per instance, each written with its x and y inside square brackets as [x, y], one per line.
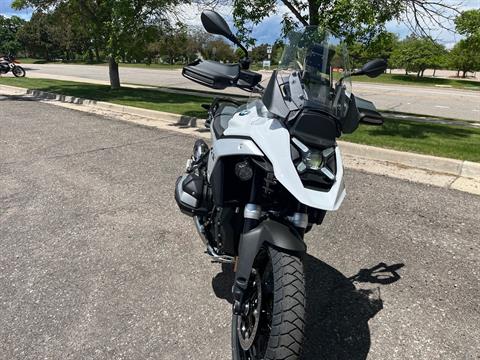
[113, 72]
[458, 73]
[422, 72]
[406, 72]
[434, 71]
[464, 74]
[418, 73]
[313, 14]
[97, 53]
[90, 55]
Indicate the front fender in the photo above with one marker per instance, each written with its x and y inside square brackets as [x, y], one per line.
[275, 234]
[271, 232]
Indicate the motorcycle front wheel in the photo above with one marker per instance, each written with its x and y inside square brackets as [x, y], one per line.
[272, 322]
[18, 71]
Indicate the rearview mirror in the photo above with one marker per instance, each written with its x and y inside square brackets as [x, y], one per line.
[215, 24]
[372, 68]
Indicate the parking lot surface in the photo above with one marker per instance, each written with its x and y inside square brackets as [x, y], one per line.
[96, 262]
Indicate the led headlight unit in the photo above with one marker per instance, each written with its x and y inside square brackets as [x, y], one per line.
[314, 160]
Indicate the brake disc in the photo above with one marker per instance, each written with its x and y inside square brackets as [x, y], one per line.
[250, 318]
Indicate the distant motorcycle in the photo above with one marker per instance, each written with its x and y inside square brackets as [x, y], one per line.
[8, 63]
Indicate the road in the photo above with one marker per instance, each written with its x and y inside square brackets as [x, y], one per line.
[458, 104]
[96, 261]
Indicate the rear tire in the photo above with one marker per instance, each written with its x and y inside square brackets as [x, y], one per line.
[283, 338]
[18, 71]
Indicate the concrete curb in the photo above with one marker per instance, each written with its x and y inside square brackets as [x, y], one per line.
[470, 169]
[418, 161]
[124, 109]
[433, 164]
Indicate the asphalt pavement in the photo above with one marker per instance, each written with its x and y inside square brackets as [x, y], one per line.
[432, 101]
[96, 262]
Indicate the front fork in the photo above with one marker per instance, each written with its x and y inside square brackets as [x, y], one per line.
[249, 246]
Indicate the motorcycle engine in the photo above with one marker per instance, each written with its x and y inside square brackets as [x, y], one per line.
[191, 190]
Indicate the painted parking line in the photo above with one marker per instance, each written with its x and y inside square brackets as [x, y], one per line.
[442, 107]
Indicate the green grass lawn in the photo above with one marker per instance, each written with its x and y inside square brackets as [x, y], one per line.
[421, 81]
[34, 61]
[433, 139]
[143, 98]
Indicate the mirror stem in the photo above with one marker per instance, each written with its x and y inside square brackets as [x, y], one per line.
[237, 42]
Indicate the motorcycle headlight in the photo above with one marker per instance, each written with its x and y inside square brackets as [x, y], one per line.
[314, 160]
[311, 160]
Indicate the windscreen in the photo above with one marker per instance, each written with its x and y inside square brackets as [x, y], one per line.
[313, 72]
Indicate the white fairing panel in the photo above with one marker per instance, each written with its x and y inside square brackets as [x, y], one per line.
[273, 139]
[225, 147]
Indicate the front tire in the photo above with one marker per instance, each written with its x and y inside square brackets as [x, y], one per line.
[280, 331]
[18, 71]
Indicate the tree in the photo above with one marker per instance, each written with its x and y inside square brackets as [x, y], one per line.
[380, 46]
[259, 53]
[219, 50]
[70, 33]
[277, 52]
[40, 37]
[9, 27]
[465, 54]
[172, 42]
[468, 23]
[465, 57]
[122, 27]
[357, 54]
[352, 19]
[418, 54]
[196, 40]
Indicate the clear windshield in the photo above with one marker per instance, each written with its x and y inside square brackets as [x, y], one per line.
[313, 71]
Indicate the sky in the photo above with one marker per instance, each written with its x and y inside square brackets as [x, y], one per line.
[269, 30]
[6, 10]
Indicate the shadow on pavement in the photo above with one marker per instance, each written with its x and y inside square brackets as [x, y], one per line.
[186, 121]
[337, 312]
[20, 97]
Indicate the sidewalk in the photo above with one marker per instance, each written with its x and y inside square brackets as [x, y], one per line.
[436, 171]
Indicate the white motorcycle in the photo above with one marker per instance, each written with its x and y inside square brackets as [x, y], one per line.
[273, 171]
[8, 63]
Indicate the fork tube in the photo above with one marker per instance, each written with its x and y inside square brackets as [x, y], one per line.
[300, 219]
[252, 211]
